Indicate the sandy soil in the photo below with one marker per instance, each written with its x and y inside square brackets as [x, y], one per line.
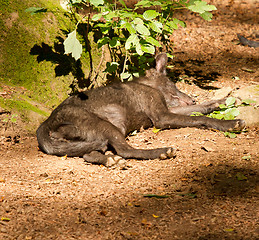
[209, 191]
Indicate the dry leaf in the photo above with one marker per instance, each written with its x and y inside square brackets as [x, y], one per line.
[5, 219]
[207, 149]
[64, 157]
[240, 176]
[103, 212]
[155, 130]
[2, 180]
[229, 230]
[146, 223]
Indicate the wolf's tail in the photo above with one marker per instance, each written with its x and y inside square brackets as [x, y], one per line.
[58, 147]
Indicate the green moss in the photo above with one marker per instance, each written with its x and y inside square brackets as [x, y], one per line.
[19, 33]
[20, 106]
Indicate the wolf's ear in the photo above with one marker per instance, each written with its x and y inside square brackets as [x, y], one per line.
[161, 62]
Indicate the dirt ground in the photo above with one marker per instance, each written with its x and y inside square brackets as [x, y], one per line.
[209, 191]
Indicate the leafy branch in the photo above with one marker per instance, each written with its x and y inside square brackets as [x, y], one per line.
[130, 35]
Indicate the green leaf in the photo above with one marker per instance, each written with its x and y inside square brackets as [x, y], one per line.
[13, 118]
[206, 16]
[148, 48]
[216, 115]
[248, 157]
[130, 28]
[96, 17]
[248, 101]
[144, 4]
[230, 101]
[131, 41]
[171, 25]
[110, 16]
[5, 120]
[148, 3]
[153, 41]
[201, 7]
[230, 135]
[139, 49]
[222, 106]
[156, 26]
[72, 45]
[136, 74]
[231, 113]
[228, 229]
[174, 24]
[114, 42]
[138, 21]
[142, 29]
[182, 24]
[123, 3]
[196, 114]
[155, 196]
[96, 3]
[172, 57]
[34, 10]
[111, 67]
[5, 219]
[150, 14]
[125, 76]
[103, 41]
[240, 176]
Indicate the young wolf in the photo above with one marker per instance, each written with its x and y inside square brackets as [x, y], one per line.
[85, 124]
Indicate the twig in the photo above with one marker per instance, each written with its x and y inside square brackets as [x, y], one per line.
[98, 67]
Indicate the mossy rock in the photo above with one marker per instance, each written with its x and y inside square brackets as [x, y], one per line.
[31, 56]
[249, 113]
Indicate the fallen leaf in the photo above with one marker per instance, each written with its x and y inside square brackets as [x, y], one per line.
[155, 130]
[103, 212]
[247, 70]
[128, 235]
[229, 230]
[184, 179]
[134, 133]
[230, 134]
[207, 149]
[248, 157]
[208, 165]
[240, 176]
[145, 222]
[190, 195]
[156, 196]
[5, 219]
[64, 157]
[2, 180]
[155, 216]
[235, 78]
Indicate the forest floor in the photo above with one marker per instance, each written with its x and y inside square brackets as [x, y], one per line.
[209, 191]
